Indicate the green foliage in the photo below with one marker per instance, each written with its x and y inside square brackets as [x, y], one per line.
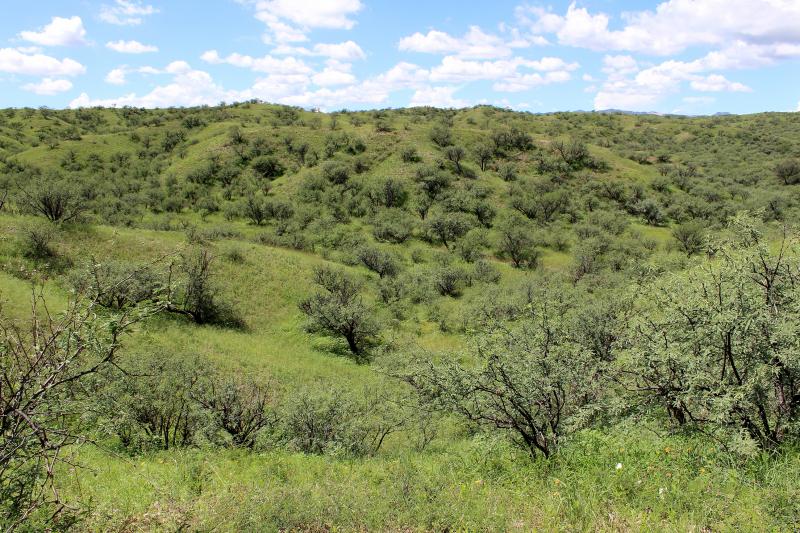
[516, 241]
[339, 310]
[788, 171]
[603, 205]
[393, 225]
[268, 167]
[715, 347]
[690, 237]
[531, 380]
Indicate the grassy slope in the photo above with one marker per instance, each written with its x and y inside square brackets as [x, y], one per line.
[459, 483]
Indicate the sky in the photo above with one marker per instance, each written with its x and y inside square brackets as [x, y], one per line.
[676, 56]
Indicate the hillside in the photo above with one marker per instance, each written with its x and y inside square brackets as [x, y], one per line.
[344, 316]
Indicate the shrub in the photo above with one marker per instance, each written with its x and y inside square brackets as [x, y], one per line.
[37, 241]
[336, 173]
[331, 421]
[715, 348]
[393, 225]
[531, 381]
[409, 154]
[441, 136]
[515, 241]
[197, 295]
[268, 167]
[387, 192]
[446, 228]
[54, 197]
[470, 246]
[450, 280]
[690, 237]
[788, 171]
[119, 284]
[240, 408]
[378, 261]
[339, 310]
[485, 272]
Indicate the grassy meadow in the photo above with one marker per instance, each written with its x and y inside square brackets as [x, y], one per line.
[590, 210]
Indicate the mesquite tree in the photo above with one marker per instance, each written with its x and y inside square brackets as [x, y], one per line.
[43, 363]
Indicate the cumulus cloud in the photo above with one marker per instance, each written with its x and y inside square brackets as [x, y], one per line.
[60, 32]
[455, 69]
[117, 76]
[13, 61]
[673, 26]
[335, 73]
[647, 87]
[346, 51]
[437, 97]
[717, 83]
[131, 47]
[189, 87]
[126, 12]
[267, 63]
[289, 20]
[48, 86]
[474, 44]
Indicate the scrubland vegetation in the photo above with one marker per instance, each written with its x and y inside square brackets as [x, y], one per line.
[254, 317]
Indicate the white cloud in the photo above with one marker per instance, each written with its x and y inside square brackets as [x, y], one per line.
[649, 86]
[117, 76]
[402, 76]
[126, 12]
[346, 51]
[13, 61]
[131, 47]
[189, 87]
[48, 86]
[474, 44]
[335, 73]
[526, 82]
[268, 63]
[617, 66]
[437, 97]
[507, 73]
[673, 26]
[717, 83]
[334, 14]
[290, 20]
[60, 32]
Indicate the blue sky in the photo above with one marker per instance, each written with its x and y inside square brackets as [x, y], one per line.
[674, 56]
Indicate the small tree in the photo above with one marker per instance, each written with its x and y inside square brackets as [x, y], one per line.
[788, 171]
[53, 197]
[441, 136]
[716, 347]
[690, 237]
[446, 228]
[531, 380]
[484, 153]
[255, 208]
[197, 296]
[241, 408]
[340, 311]
[381, 262]
[515, 241]
[268, 167]
[42, 368]
[455, 154]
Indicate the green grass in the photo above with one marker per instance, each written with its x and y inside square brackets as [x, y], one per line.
[664, 484]
[461, 482]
